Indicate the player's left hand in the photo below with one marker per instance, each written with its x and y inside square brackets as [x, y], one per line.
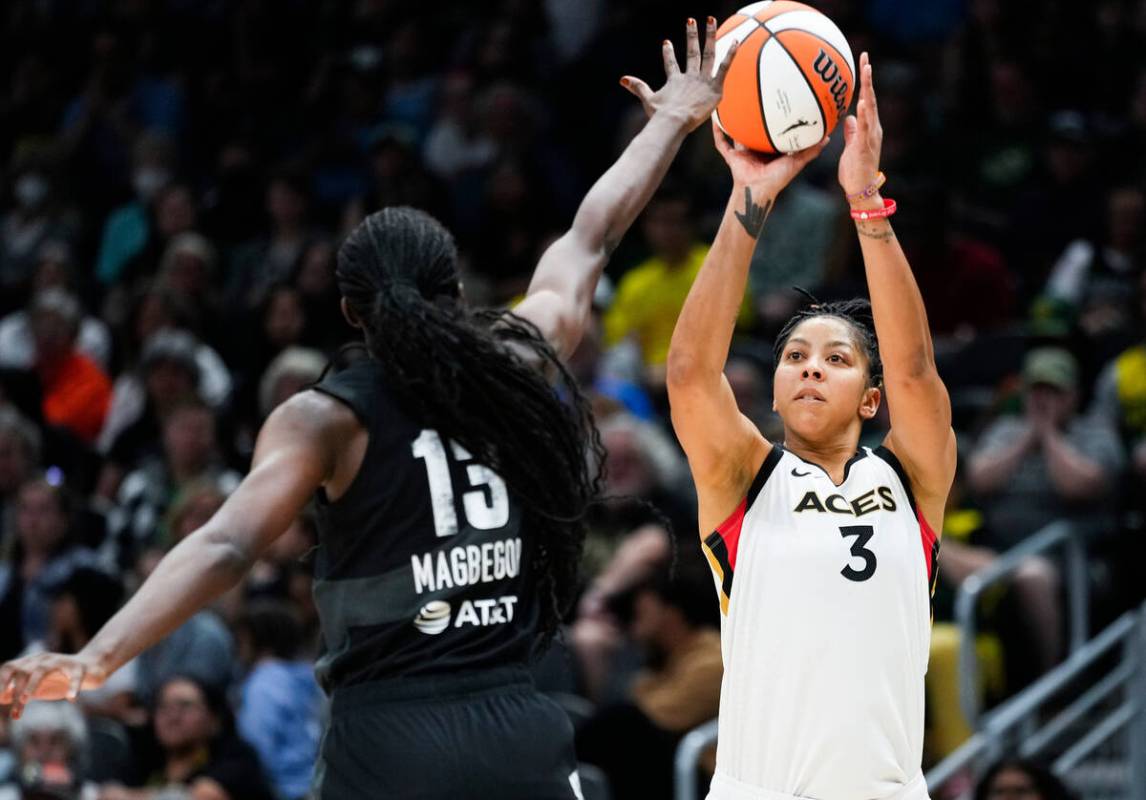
[47, 676]
[863, 137]
[692, 95]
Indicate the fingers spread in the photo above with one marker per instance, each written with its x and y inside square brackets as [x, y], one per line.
[722, 70]
[692, 38]
[637, 87]
[709, 46]
[669, 54]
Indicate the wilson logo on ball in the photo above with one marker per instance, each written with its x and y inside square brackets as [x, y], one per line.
[826, 68]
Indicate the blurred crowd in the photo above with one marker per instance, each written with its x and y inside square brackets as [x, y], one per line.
[175, 178]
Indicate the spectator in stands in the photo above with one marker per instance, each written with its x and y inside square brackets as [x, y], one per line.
[169, 374]
[1097, 279]
[200, 753]
[37, 218]
[651, 295]
[1021, 779]
[1047, 465]
[796, 252]
[187, 270]
[202, 647]
[319, 292]
[292, 370]
[19, 457]
[50, 741]
[630, 539]
[281, 706]
[456, 144]
[1120, 396]
[397, 177]
[614, 380]
[17, 344]
[261, 264]
[190, 454]
[674, 621]
[81, 605]
[76, 392]
[42, 553]
[128, 228]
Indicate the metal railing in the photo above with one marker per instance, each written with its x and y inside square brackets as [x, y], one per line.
[688, 754]
[1110, 713]
[1057, 534]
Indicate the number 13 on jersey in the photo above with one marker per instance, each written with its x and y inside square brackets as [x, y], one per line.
[485, 500]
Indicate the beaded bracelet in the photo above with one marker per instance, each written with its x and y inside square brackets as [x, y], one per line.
[875, 213]
[872, 188]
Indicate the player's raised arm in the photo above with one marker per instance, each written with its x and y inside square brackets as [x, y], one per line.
[921, 435]
[724, 448]
[292, 459]
[560, 295]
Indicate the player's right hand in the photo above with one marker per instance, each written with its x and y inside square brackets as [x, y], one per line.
[47, 676]
[692, 95]
[765, 175]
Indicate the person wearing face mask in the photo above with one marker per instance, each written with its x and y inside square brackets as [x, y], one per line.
[128, 228]
[33, 220]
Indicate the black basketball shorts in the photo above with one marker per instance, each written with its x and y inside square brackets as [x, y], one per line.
[482, 735]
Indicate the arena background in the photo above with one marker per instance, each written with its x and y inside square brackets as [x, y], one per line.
[175, 178]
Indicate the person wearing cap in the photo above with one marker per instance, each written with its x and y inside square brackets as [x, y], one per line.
[1049, 464]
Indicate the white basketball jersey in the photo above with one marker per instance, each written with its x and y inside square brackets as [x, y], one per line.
[826, 598]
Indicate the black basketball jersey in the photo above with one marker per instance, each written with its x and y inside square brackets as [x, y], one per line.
[422, 566]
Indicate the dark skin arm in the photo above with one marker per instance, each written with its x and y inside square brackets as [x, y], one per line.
[560, 295]
[296, 453]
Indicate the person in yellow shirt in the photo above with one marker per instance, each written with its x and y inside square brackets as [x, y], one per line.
[651, 295]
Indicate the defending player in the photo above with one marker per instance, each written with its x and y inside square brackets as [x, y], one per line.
[452, 487]
[824, 555]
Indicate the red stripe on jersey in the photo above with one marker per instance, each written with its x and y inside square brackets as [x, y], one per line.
[729, 531]
[929, 546]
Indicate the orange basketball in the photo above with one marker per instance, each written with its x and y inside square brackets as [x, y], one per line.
[791, 80]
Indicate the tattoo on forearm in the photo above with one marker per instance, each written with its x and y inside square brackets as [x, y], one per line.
[610, 244]
[754, 215]
[881, 233]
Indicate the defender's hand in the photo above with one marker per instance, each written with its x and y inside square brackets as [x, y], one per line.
[692, 95]
[47, 676]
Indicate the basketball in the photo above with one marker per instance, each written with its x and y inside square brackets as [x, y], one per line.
[791, 80]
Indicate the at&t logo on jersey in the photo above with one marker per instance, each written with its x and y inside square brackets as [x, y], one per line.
[435, 616]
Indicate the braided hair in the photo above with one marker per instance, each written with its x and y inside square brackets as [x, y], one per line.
[468, 374]
[856, 313]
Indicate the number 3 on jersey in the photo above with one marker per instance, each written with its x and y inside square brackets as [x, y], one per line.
[862, 534]
[484, 510]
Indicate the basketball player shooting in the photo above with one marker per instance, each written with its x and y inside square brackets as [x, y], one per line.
[824, 554]
[452, 485]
